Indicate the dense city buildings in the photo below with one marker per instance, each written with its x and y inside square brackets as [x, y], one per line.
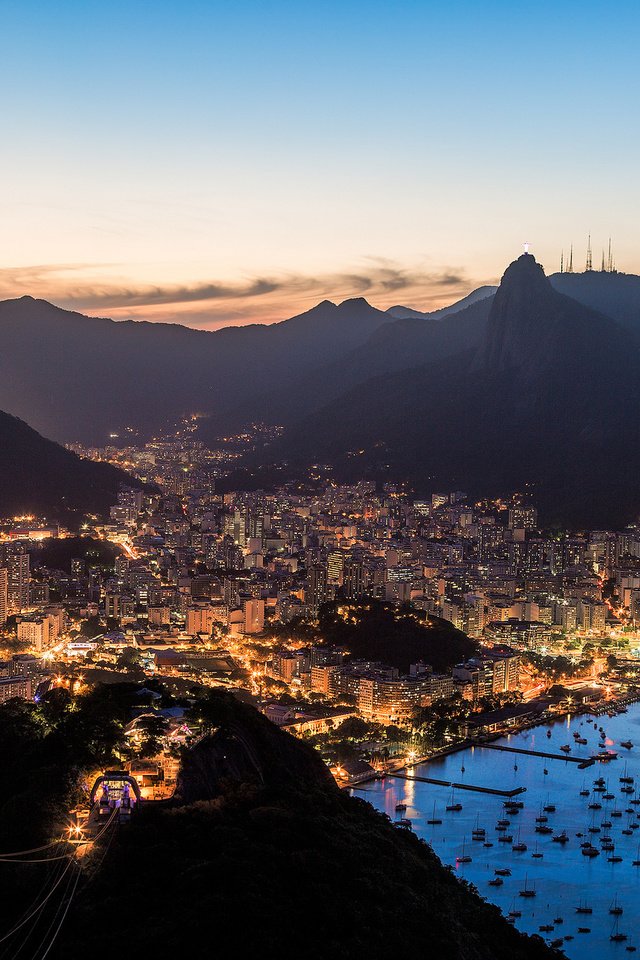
[229, 588]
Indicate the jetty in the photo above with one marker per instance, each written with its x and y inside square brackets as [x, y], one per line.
[582, 762]
[459, 786]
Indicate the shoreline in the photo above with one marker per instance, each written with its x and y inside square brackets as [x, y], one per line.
[545, 719]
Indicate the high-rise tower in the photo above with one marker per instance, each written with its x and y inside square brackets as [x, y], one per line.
[4, 595]
[16, 560]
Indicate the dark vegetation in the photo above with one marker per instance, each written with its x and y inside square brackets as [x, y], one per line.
[396, 635]
[45, 748]
[259, 852]
[41, 478]
[57, 553]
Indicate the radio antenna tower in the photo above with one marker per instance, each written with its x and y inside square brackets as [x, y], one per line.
[589, 266]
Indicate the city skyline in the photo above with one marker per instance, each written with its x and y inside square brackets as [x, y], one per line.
[365, 150]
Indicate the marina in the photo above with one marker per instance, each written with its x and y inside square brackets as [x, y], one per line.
[559, 830]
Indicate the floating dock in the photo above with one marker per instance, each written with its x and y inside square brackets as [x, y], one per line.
[582, 762]
[460, 786]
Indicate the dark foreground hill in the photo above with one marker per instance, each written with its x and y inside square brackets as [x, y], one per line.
[263, 856]
[258, 855]
[39, 477]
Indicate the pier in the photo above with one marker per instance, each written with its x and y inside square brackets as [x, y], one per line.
[582, 762]
[460, 786]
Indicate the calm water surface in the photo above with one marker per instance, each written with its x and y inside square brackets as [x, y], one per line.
[563, 878]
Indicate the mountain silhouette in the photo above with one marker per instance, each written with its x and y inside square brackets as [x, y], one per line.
[617, 295]
[549, 398]
[392, 347]
[531, 326]
[39, 477]
[406, 313]
[83, 378]
[525, 386]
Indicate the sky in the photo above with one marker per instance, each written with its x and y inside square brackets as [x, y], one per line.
[216, 163]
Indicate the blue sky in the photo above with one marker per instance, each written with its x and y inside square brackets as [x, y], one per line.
[214, 163]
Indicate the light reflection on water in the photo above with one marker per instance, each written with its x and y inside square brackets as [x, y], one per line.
[563, 878]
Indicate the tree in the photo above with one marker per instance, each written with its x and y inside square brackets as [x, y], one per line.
[91, 627]
[154, 728]
[395, 734]
[129, 659]
[353, 728]
[345, 700]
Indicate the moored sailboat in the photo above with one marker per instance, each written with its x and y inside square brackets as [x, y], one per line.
[527, 891]
[464, 857]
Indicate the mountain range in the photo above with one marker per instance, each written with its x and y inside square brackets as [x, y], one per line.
[406, 313]
[78, 378]
[83, 378]
[532, 382]
[547, 397]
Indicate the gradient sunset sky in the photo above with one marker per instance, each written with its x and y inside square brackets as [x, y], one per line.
[217, 163]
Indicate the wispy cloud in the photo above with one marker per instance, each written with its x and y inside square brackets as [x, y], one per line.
[106, 296]
[214, 303]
